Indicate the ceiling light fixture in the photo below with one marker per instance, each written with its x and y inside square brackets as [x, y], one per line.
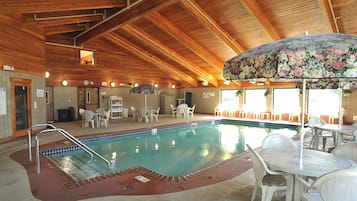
[112, 84]
[64, 83]
[156, 85]
[136, 84]
[47, 74]
[205, 83]
[173, 86]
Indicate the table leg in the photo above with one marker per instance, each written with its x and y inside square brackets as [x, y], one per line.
[290, 187]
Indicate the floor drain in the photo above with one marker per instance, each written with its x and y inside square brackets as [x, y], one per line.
[126, 187]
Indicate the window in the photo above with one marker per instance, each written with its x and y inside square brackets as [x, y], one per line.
[229, 99]
[255, 100]
[86, 57]
[286, 101]
[324, 101]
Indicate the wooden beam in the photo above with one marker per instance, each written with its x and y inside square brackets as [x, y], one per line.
[124, 16]
[157, 45]
[50, 30]
[61, 21]
[38, 6]
[329, 15]
[143, 54]
[165, 25]
[211, 25]
[253, 8]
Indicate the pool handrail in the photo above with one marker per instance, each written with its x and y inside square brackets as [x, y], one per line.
[29, 136]
[66, 135]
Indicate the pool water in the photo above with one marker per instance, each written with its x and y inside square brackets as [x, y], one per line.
[174, 151]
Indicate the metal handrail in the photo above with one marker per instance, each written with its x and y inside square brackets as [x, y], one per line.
[29, 136]
[66, 135]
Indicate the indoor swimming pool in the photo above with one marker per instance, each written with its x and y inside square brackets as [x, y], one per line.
[170, 151]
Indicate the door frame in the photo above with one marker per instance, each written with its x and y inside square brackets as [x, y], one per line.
[14, 81]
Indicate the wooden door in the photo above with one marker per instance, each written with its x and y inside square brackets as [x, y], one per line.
[21, 102]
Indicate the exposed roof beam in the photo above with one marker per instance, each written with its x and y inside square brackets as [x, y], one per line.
[151, 41]
[59, 21]
[124, 16]
[38, 6]
[185, 39]
[210, 24]
[329, 15]
[258, 14]
[50, 30]
[143, 54]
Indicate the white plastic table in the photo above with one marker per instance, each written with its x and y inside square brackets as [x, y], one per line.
[338, 132]
[313, 164]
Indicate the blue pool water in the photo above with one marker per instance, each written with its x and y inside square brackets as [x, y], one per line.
[174, 151]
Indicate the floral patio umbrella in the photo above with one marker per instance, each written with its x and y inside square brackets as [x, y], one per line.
[145, 89]
[308, 57]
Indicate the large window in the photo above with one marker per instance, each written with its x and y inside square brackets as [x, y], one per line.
[255, 100]
[324, 101]
[229, 99]
[286, 101]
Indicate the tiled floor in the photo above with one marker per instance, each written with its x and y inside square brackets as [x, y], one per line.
[14, 183]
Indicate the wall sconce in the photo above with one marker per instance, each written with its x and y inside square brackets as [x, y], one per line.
[64, 83]
[112, 84]
[47, 74]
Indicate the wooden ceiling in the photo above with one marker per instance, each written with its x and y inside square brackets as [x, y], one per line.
[180, 42]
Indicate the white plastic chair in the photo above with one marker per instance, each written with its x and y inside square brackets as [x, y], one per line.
[191, 110]
[346, 150]
[316, 121]
[181, 110]
[268, 180]
[278, 141]
[173, 110]
[81, 114]
[104, 120]
[89, 118]
[156, 114]
[335, 186]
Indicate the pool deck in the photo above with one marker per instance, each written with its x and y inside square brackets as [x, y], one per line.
[231, 180]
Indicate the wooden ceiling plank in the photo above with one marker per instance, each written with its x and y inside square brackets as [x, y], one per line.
[151, 41]
[329, 15]
[38, 6]
[254, 9]
[146, 56]
[165, 25]
[211, 25]
[124, 16]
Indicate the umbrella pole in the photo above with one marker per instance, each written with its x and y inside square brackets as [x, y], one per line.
[146, 102]
[302, 120]
[340, 110]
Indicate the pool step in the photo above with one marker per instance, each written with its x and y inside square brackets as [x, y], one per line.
[80, 168]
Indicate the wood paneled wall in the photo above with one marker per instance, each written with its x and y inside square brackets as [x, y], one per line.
[21, 47]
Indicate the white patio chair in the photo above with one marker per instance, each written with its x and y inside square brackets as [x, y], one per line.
[104, 120]
[268, 180]
[278, 141]
[335, 186]
[155, 114]
[173, 110]
[191, 110]
[81, 114]
[89, 118]
[316, 121]
[346, 150]
[181, 110]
